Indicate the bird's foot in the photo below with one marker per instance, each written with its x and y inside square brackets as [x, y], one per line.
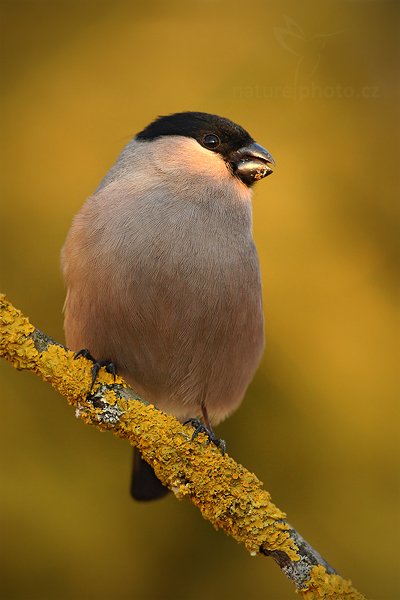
[200, 427]
[97, 365]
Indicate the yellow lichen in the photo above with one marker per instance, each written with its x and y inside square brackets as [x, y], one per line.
[323, 586]
[244, 511]
[228, 495]
[225, 492]
[56, 362]
[15, 343]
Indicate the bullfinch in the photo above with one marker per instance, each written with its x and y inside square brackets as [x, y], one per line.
[162, 274]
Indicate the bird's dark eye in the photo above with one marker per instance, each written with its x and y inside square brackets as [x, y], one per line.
[211, 141]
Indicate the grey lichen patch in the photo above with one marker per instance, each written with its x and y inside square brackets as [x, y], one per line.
[110, 416]
[106, 412]
[298, 572]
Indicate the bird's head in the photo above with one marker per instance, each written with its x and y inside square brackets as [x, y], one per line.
[203, 143]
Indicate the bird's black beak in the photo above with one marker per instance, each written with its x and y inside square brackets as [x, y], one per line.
[251, 163]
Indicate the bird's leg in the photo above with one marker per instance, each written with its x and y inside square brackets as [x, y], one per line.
[200, 427]
[108, 365]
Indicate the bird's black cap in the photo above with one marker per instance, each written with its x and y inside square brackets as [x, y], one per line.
[198, 125]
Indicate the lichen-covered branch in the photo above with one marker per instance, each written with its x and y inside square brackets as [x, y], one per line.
[228, 495]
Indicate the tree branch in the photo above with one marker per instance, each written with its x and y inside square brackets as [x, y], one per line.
[228, 495]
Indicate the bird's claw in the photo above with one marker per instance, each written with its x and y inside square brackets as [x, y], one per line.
[97, 365]
[200, 427]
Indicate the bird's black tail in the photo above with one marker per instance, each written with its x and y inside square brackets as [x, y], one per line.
[145, 485]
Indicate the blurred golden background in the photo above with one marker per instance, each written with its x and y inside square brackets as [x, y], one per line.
[315, 83]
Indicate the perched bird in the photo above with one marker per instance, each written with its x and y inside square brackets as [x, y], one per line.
[162, 272]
